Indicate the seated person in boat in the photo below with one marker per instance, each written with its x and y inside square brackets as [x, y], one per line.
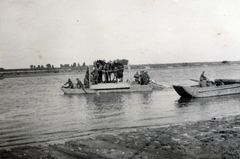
[70, 84]
[86, 82]
[204, 81]
[79, 84]
[144, 78]
[137, 76]
[219, 82]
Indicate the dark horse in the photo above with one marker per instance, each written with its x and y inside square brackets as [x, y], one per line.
[117, 70]
[99, 64]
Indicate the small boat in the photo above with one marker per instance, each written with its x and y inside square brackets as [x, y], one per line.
[231, 86]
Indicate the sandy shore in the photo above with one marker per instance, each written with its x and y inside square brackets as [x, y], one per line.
[215, 138]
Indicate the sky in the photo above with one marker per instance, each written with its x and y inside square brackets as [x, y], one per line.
[141, 31]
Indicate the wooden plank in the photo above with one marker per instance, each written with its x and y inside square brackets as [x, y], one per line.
[106, 86]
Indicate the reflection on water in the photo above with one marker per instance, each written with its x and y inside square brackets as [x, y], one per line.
[34, 110]
[205, 108]
[146, 99]
[222, 100]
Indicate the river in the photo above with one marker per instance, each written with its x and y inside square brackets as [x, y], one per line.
[34, 111]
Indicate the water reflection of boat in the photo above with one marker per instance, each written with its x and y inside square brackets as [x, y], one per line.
[185, 102]
[199, 92]
[1, 76]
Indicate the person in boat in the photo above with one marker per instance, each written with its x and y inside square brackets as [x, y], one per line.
[86, 82]
[148, 77]
[79, 84]
[144, 78]
[70, 84]
[137, 76]
[204, 81]
[95, 75]
[87, 73]
[219, 82]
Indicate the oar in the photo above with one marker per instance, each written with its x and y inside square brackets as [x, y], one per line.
[194, 80]
[84, 90]
[159, 84]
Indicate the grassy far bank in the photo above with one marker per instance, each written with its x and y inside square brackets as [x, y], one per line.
[9, 73]
[214, 138]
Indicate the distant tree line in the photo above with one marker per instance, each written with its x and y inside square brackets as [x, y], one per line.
[49, 66]
[72, 65]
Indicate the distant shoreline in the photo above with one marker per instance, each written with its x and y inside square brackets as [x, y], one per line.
[15, 73]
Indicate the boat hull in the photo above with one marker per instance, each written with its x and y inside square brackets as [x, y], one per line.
[132, 88]
[200, 92]
[108, 86]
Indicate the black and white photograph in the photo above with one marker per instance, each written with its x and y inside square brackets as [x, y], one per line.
[119, 79]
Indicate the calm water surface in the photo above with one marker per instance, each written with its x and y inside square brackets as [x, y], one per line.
[35, 111]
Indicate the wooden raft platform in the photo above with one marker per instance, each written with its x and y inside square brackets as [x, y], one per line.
[110, 86]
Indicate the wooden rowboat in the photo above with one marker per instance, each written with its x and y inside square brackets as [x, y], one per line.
[113, 87]
[230, 87]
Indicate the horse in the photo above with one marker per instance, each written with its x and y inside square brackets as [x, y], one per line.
[106, 69]
[117, 69]
[100, 65]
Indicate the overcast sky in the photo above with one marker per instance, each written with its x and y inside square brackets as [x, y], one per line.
[143, 31]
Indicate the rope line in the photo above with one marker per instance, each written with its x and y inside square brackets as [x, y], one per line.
[111, 70]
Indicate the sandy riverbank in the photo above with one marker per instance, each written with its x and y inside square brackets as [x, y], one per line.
[215, 138]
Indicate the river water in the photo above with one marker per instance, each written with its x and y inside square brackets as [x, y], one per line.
[34, 111]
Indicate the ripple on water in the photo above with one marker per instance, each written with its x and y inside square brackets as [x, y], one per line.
[35, 111]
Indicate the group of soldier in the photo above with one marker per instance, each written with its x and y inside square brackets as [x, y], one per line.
[142, 78]
[98, 75]
[70, 84]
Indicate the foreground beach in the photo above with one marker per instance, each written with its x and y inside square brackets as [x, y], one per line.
[215, 138]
